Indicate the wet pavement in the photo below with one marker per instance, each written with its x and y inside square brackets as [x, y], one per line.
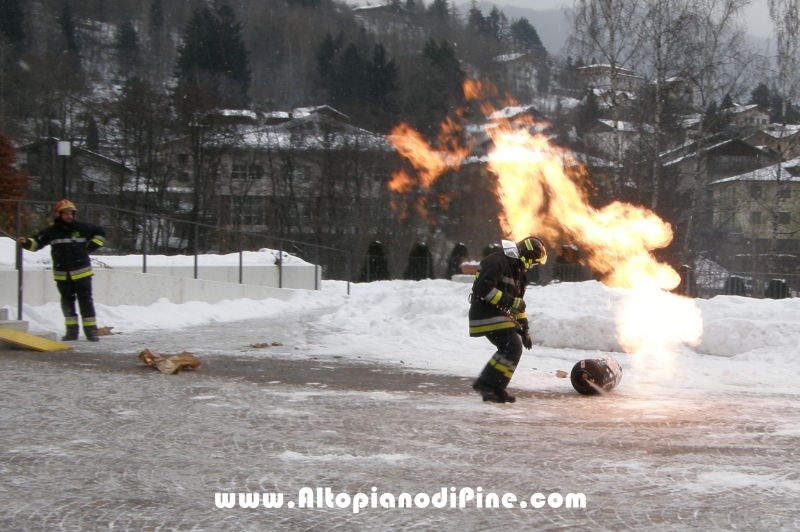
[93, 440]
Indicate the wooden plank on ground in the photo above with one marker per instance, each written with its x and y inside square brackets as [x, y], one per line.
[30, 341]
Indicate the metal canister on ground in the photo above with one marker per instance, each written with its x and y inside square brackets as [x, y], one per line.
[596, 375]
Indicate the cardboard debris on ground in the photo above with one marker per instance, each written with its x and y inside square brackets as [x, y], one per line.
[277, 344]
[561, 374]
[169, 364]
[259, 346]
[105, 331]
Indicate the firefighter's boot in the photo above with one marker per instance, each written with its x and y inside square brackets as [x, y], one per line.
[72, 334]
[91, 333]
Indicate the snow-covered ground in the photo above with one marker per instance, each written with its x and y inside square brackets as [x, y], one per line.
[747, 344]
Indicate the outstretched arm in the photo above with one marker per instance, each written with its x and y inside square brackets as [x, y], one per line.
[98, 238]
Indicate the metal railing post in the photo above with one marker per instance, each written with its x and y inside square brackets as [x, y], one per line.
[347, 273]
[144, 245]
[196, 245]
[18, 218]
[280, 264]
[317, 274]
[241, 245]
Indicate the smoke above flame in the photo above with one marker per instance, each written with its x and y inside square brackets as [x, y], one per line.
[543, 190]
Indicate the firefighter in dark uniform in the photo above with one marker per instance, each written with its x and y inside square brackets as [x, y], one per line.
[497, 311]
[71, 242]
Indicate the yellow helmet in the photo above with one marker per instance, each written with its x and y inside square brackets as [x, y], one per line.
[531, 251]
[65, 205]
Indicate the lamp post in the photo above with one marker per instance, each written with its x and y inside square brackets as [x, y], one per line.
[64, 149]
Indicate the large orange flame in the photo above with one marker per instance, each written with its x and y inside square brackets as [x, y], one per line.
[542, 190]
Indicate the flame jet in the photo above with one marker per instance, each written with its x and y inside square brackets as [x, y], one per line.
[543, 190]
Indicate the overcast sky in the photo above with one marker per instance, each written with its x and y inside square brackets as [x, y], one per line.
[756, 14]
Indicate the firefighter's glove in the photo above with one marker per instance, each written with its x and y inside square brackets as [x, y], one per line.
[526, 339]
[518, 305]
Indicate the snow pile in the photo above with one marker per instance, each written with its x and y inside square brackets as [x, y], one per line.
[747, 344]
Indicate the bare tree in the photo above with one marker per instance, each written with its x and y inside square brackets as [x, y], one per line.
[663, 36]
[717, 62]
[602, 29]
[785, 15]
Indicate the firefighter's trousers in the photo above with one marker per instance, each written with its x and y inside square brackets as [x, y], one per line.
[82, 290]
[501, 366]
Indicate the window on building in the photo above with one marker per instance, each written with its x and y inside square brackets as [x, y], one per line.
[756, 190]
[183, 177]
[727, 197]
[755, 218]
[784, 218]
[183, 158]
[256, 171]
[784, 192]
[239, 171]
[254, 210]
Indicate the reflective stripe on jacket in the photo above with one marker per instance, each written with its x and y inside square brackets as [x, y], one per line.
[498, 281]
[69, 247]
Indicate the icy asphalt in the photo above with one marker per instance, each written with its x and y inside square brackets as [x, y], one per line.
[93, 440]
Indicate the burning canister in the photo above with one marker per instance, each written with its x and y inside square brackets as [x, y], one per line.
[596, 375]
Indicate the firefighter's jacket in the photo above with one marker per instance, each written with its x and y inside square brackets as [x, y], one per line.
[70, 245]
[498, 281]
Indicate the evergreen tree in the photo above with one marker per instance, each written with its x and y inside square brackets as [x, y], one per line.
[439, 10]
[212, 43]
[156, 16]
[457, 256]
[420, 263]
[727, 102]
[67, 22]
[524, 35]
[326, 56]
[443, 56]
[376, 268]
[13, 182]
[760, 95]
[477, 21]
[495, 21]
[590, 110]
[351, 81]
[92, 134]
[383, 79]
[126, 44]
[12, 21]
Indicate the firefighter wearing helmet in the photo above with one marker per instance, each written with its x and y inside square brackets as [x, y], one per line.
[70, 243]
[497, 311]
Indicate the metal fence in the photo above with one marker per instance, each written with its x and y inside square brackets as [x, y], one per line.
[140, 233]
[756, 285]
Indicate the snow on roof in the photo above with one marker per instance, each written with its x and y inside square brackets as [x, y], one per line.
[312, 132]
[370, 8]
[621, 125]
[238, 112]
[779, 131]
[569, 103]
[713, 146]
[512, 111]
[277, 114]
[737, 108]
[606, 66]
[301, 112]
[768, 173]
[508, 57]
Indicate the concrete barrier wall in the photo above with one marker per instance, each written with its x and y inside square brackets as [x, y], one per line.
[306, 277]
[117, 287]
